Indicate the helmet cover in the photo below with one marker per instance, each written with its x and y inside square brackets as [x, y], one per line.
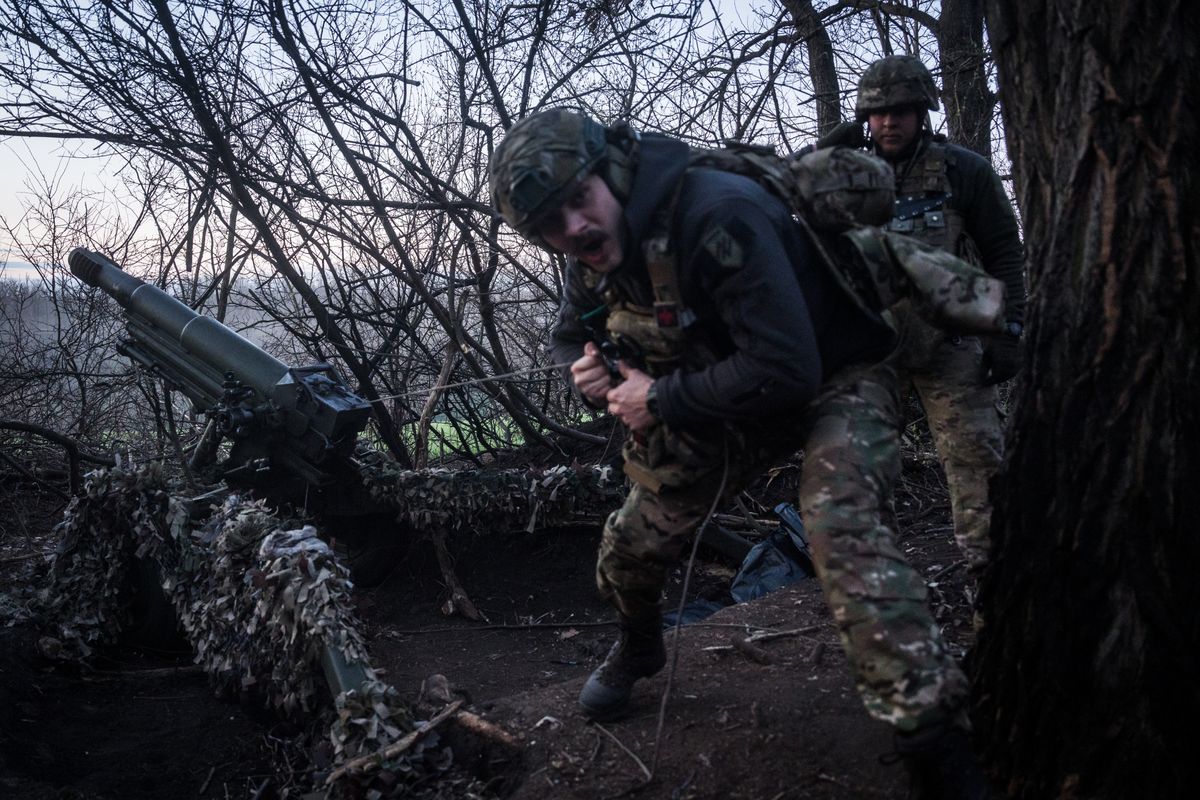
[895, 81]
[540, 161]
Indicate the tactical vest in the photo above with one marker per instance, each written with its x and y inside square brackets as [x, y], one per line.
[657, 334]
[922, 209]
[836, 188]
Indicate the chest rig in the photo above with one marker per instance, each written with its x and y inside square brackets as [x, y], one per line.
[876, 269]
[922, 209]
[656, 336]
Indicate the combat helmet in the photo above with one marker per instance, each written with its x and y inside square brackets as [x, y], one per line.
[895, 81]
[541, 160]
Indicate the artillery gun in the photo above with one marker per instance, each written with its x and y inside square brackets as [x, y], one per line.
[261, 597]
[291, 429]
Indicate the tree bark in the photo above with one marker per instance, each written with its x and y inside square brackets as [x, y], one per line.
[1085, 670]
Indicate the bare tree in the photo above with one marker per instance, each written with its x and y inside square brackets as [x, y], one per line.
[822, 68]
[1086, 665]
[970, 105]
[317, 175]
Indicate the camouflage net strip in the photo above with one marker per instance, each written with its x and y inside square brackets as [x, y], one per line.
[483, 500]
[258, 600]
[92, 570]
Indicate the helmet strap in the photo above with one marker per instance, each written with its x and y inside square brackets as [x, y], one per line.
[620, 162]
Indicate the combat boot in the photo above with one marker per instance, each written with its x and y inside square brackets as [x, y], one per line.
[941, 764]
[638, 653]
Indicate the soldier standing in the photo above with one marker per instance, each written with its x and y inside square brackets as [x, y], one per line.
[748, 349]
[951, 198]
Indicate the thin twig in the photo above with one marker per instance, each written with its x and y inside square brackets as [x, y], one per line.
[486, 379]
[29, 474]
[935, 577]
[173, 432]
[687, 577]
[21, 557]
[99, 675]
[207, 780]
[530, 626]
[500, 626]
[765, 636]
[628, 752]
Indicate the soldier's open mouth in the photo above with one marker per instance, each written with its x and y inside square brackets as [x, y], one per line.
[592, 244]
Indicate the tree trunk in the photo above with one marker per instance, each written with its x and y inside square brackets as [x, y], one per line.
[968, 102]
[826, 92]
[1086, 669]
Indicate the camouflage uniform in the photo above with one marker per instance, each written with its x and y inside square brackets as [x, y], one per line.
[769, 354]
[964, 419]
[951, 198]
[903, 670]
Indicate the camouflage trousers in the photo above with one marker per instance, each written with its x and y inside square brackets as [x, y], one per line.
[964, 420]
[850, 434]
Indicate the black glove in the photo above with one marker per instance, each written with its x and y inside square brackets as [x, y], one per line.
[845, 134]
[1001, 359]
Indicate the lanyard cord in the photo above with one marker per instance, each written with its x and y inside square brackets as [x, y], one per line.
[488, 379]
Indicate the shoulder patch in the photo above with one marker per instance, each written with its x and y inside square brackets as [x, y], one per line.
[724, 248]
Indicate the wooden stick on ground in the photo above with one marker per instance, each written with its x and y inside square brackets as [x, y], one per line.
[628, 752]
[763, 637]
[487, 730]
[374, 760]
[459, 601]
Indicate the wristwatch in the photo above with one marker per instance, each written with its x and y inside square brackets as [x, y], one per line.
[652, 400]
[1014, 329]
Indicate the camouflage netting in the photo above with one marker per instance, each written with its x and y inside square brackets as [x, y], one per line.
[258, 599]
[92, 572]
[261, 598]
[482, 500]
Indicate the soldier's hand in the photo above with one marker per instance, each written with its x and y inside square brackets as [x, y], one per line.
[627, 399]
[591, 375]
[845, 134]
[1001, 359]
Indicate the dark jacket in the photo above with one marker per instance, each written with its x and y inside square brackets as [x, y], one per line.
[774, 320]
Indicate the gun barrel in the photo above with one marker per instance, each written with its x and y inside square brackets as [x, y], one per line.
[305, 420]
[211, 342]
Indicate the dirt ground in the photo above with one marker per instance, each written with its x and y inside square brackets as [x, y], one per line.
[145, 725]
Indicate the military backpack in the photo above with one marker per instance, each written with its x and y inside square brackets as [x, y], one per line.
[841, 196]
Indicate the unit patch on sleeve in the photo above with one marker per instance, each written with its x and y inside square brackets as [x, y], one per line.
[724, 248]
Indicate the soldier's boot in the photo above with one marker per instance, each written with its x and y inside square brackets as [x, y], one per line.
[941, 764]
[638, 653]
